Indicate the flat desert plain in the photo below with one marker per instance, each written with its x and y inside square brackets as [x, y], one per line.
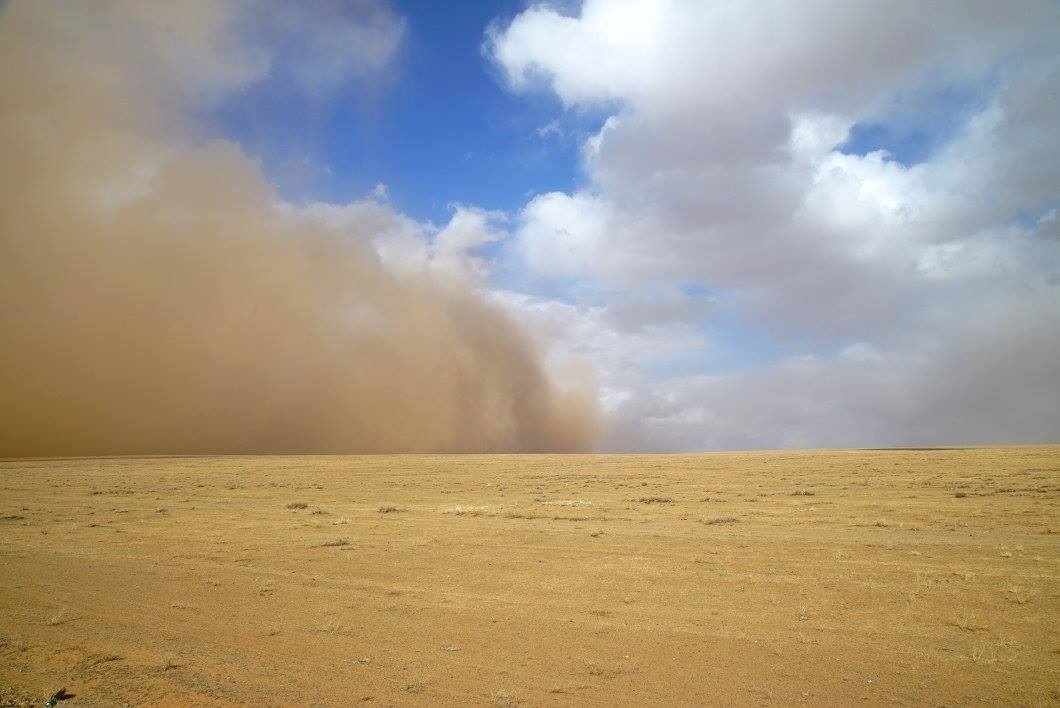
[823, 578]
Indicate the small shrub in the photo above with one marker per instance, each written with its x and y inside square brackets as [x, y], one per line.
[297, 505]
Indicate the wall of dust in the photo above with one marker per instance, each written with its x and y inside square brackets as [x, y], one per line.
[155, 299]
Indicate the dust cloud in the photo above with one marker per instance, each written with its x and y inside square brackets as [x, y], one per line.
[156, 296]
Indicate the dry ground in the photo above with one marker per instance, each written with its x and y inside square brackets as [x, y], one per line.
[911, 577]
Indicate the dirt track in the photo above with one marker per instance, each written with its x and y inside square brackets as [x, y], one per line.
[885, 577]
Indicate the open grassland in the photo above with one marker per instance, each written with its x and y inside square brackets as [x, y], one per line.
[913, 577]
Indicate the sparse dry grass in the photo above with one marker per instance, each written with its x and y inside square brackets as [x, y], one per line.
[462, 510]
[334, 543]
[514, 514]
[334, 626]
[566, 502]
[854, 576]
[1020, 595]
[712, 520]
[969, 621]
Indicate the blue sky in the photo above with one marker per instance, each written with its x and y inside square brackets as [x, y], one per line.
[919, 121]
[437, 127]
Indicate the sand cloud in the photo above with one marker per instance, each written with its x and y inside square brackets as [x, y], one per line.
[158, 296]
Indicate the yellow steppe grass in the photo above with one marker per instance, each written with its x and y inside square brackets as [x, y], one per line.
[819, 577]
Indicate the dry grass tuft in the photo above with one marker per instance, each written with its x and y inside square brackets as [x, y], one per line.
[522, 515]
[460, 510]
[504, 698]
[388, 509]
[15, 642]
[297, 505]
[969, 621]
[334, 543]
[332, 625]
[1021, 596]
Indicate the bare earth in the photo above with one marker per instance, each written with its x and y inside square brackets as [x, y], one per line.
[824, 578]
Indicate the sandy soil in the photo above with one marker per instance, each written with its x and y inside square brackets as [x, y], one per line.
[824, 578]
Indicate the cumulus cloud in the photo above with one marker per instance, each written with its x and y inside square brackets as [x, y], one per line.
[159, 297]
[722, 164]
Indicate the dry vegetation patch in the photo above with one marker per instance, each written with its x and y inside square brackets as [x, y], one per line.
[854, 576]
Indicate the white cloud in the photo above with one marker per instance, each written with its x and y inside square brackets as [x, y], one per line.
[552, 128]
[719, 165]
[455, 246]
[561, 234]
